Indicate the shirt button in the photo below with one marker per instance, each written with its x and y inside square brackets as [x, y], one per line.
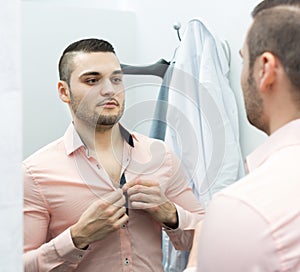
[126, 261]
[124, 226]
[80, 256]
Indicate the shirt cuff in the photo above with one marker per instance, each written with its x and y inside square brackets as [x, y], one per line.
[178, 223]
[65, 248]
[182, 237]
[184, 221]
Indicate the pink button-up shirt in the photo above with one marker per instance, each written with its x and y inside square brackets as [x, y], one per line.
[60, 182]
[254, 225]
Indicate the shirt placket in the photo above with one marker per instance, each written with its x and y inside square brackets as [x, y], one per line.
[126, 250]
[125, 242]
[126, 253]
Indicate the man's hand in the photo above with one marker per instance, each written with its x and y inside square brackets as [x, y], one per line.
[100, 219]
[148, 195]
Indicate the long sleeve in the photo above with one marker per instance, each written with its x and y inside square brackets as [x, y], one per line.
[189, 210]
[41, 253]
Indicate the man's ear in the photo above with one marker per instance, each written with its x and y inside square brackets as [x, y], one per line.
[267, 71]
[63, 91]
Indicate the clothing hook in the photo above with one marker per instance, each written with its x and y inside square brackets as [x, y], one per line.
[177, 26]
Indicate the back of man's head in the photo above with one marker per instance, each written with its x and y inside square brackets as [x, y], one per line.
[266, 4]
[277, 30]
[85, 46]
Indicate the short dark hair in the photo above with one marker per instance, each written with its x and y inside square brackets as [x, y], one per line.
[277, 30]
[91, 45]
[266, 4]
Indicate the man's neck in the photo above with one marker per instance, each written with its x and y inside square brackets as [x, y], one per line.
[100, 139]
[281, 107]
[282, 121]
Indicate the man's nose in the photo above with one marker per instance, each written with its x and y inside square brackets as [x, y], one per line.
[107, 89]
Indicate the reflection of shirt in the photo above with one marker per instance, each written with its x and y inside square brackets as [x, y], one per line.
[254, 225]
[60, 183]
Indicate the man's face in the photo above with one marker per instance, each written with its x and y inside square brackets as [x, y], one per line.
[96, 89]
[253, 101]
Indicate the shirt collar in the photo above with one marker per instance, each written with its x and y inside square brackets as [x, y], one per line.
[285, 136]
[73, 141]
[128, 137]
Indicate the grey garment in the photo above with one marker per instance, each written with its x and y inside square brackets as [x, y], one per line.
[159, 123]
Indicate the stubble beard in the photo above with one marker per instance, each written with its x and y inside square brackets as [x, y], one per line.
[254, 104]
[97, 121]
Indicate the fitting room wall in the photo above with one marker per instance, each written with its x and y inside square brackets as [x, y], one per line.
[11, 203]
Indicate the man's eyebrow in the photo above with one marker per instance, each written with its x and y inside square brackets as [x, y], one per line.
[117, 72]
[94, 73]
[89, 73]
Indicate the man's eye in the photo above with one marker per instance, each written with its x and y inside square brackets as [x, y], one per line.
[91, 80]
[117, 80]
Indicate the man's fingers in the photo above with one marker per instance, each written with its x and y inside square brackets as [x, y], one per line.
[121, 202]
[122, 220]
[146, 183]
[113, 197]
[143, 205]
[144, 190]
[118, 218]
[118, 214]
[153, 200]
[144, 197]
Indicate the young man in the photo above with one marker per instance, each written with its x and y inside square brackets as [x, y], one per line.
[97, 198]
[254, 225]
[266, 4]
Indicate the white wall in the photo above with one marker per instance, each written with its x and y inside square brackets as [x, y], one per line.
[156, 38]
[11, 200]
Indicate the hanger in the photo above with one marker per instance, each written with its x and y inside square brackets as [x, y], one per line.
[225, 44]
[157, 69]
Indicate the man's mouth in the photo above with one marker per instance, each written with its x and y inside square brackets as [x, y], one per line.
[109, 103]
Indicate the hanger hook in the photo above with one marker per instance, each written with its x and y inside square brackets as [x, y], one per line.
[177, 26]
